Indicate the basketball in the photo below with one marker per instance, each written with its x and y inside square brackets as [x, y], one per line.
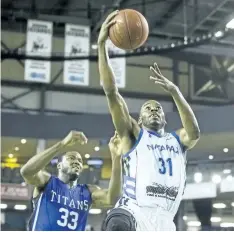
[130, 31]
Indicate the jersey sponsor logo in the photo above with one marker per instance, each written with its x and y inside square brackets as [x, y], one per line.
[162, 148]
[63, 200]
[159, 190]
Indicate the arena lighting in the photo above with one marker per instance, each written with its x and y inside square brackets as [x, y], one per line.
[225, 150]
[194, 223]
[23, 141]
[97, 148]
[197, 177]
[227, 171]
[3, 206]
[218, 34]
[219, 206]
[185, 218]
[215, 219]
[95, 162]
[209, 35]
[229, 178]
[94, 46]
[216, 178]
[230, 24]
[230, 68]
[87, 156]
[20, 207]
[10, 155]
[227, 224]
[95, 211]
[16, 149]
[232, 204]
[211, 157]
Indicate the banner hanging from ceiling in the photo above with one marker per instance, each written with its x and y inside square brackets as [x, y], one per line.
[77, 43]
[15, 192]
[39, 43]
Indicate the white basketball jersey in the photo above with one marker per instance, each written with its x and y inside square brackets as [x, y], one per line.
[154, 171]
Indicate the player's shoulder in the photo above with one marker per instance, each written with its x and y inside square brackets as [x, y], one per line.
[172, 135]
[176, 135]
[40, 189]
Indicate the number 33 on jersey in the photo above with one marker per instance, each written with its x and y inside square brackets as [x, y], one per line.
[59, 208]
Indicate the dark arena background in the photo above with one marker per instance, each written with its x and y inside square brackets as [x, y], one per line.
[193, 43]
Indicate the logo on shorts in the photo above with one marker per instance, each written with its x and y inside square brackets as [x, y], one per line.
[159, 190]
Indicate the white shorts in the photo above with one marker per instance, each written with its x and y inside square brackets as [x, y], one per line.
[150, 219]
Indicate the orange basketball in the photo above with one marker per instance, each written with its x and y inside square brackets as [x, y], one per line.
[130, 31]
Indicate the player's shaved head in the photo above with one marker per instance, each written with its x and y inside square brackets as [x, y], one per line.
[150, 102]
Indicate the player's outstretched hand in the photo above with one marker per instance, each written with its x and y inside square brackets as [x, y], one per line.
[74, 137]
[159, 79]
[104, 32]
[115, 146]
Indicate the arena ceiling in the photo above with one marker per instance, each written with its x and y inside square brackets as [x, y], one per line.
[169, 20]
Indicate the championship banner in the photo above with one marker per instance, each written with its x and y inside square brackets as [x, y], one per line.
[77, 43]
[39, 43]
[118, 64]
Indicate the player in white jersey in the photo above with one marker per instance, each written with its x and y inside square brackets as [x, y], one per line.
[153, 160]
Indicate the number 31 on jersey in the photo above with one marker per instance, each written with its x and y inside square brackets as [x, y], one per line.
[166, 166]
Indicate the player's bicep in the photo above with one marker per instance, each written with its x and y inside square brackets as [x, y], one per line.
[187, 142]
[40, 179]
[119, 112]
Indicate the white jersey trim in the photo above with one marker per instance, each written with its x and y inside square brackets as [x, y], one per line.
[135, 145]
[183, 147]
[37, 213]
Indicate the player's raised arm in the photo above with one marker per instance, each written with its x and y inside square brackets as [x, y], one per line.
[190, 133]
[32, 171]
[117, 105]
[108, 197]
